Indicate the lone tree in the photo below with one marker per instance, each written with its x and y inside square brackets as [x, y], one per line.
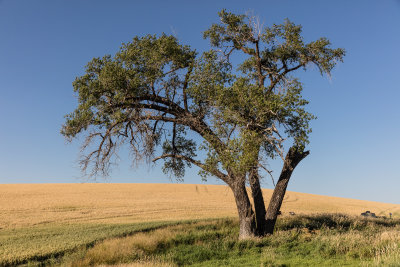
[159, 97]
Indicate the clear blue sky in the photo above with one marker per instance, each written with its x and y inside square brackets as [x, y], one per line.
[355, 142]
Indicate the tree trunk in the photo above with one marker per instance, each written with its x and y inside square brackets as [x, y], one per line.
[245, 211]
[259, 205]
[293, 158]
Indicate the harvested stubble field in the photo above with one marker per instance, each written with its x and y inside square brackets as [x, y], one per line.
[24, 205]
[42, 221]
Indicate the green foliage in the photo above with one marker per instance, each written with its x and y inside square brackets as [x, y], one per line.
[181, 146]
[137, 67]
[156, 92]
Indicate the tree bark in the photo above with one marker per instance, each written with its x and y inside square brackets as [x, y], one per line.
[293, 157]
[246, 214]
[259, 205]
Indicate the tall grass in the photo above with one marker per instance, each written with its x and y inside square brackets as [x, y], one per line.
[322, 240]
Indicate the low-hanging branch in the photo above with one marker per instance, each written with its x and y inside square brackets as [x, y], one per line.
[217, 173]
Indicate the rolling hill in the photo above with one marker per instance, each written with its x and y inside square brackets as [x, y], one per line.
[24, 205]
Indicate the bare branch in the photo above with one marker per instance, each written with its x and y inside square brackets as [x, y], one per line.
[269, 172]
[281, 75]
[185, 84]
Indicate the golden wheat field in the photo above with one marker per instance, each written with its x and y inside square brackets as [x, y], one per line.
[24, 205]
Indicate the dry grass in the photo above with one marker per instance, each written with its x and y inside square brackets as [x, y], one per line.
[318, 240]
[125, 249]
[141, 264]
[132, 248]
[25, 205]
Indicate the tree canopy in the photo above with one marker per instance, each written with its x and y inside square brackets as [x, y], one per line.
[159, 96]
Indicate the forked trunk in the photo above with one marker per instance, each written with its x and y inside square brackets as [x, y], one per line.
[245, 211]
[293, 158]
[259, 206]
